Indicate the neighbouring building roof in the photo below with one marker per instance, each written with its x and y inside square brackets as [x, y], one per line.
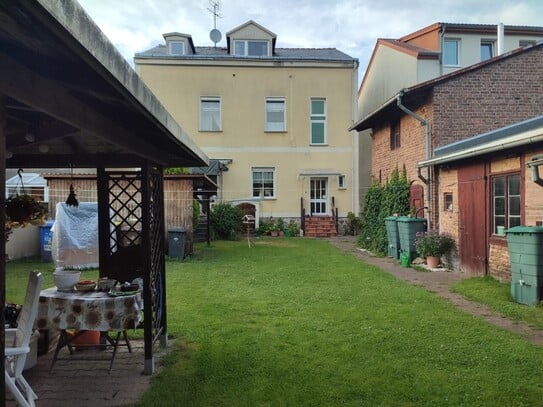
[519, 134]
[411, 92]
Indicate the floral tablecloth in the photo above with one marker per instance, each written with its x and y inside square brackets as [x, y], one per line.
[93, 310]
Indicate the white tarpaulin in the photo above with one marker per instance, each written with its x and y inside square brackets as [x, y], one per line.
[75, 235]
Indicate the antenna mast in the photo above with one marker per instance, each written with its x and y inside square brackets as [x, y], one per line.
[214, 9]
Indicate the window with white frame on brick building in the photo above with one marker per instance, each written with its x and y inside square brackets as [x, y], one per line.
[505, 202]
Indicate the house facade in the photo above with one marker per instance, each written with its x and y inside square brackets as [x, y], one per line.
[463, 111]
[274, 117]
[426, 54]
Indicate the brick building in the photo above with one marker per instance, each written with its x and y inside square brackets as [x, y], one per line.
[460, 116]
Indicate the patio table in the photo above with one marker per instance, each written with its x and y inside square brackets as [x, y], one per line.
[94, 310]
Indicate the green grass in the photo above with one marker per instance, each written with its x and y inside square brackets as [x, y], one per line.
[17, 277]
[296, 322]
[497, 296]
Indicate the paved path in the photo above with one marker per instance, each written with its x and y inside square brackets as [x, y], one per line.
[87, 383]
[440, 282]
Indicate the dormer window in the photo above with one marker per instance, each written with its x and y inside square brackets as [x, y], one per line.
[176, 48]
[251, 48]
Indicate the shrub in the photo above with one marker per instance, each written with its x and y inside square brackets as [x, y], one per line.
[293, 227]
[226, 221]
[264, 227]
[353, 224]
[433, 243]
[380, 203]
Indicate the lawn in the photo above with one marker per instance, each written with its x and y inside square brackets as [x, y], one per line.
[296, 322]
[497, 296]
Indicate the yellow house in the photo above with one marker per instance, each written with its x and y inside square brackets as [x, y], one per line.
[277, 117]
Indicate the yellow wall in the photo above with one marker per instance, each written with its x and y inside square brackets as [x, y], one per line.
[243, 91]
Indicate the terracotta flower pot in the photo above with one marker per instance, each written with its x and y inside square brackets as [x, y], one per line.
[432, 261]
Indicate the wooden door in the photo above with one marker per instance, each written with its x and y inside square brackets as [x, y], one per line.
[473, 228]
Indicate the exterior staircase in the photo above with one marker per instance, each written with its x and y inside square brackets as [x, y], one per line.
[200, 233]
[320, 226]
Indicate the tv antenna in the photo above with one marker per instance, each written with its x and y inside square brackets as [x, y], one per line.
[214, 8]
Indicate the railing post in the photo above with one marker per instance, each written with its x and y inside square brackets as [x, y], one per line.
[302, 214]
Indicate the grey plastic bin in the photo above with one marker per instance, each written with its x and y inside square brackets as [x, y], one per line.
[176, 242]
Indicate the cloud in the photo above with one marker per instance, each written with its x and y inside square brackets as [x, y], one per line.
[352, 26]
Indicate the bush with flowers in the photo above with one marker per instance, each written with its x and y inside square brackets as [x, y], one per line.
[433, 243]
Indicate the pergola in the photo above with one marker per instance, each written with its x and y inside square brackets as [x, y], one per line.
[69, 99]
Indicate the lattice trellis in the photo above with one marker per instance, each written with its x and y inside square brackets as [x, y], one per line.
[131, 206]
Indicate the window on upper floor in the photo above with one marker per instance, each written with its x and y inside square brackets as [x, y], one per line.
[318, 121]
[451, 48]
[487, 50]
[210, 114]
[263, 182]
[506, 201]
[176, 47]
[251, 48]
[275, 114]
[395, 135]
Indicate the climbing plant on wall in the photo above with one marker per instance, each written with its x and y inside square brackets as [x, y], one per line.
[381, 202]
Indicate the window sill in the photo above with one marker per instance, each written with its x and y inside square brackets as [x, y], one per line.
[210, 131]
[342, 188]
[265, 198]
[275, 131]
[318, 145]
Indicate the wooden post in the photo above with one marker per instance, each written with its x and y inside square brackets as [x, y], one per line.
[3, 126]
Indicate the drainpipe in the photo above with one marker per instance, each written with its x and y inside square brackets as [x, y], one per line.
[426, 125]
[501, 40]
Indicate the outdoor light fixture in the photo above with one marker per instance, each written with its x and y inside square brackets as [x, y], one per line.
[30, 137]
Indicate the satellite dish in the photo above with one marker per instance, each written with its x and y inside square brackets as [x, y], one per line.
[215, 35]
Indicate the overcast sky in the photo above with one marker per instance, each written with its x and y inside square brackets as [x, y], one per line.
[352, 26]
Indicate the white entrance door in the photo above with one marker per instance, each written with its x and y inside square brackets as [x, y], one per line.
[319, 198]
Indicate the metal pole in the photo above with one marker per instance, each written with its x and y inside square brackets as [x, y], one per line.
[3, 126]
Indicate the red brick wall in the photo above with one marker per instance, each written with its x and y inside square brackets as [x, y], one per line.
[497, 95]
[385, 160]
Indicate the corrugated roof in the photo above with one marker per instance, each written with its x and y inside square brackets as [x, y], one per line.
[517, 134]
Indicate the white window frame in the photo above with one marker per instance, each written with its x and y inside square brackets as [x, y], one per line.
[261, 194]
[245, 52]
[341, 182]
[176, 42]
[275, 127]
[487, 43]
[452, 40]
[204, 99]
[317, 118]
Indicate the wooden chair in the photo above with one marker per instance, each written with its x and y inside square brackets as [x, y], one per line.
[17, 344]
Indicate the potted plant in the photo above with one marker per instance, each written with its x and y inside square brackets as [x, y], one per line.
[281, 226]
[24, 209]
[432, 245]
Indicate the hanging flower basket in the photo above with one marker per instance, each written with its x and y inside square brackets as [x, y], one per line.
[22, 210]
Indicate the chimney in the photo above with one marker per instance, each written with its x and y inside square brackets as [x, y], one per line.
[501, 39]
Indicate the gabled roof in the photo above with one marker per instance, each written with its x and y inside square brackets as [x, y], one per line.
[473, 28]
[410, 49]
[418, 89]
[251, 22]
